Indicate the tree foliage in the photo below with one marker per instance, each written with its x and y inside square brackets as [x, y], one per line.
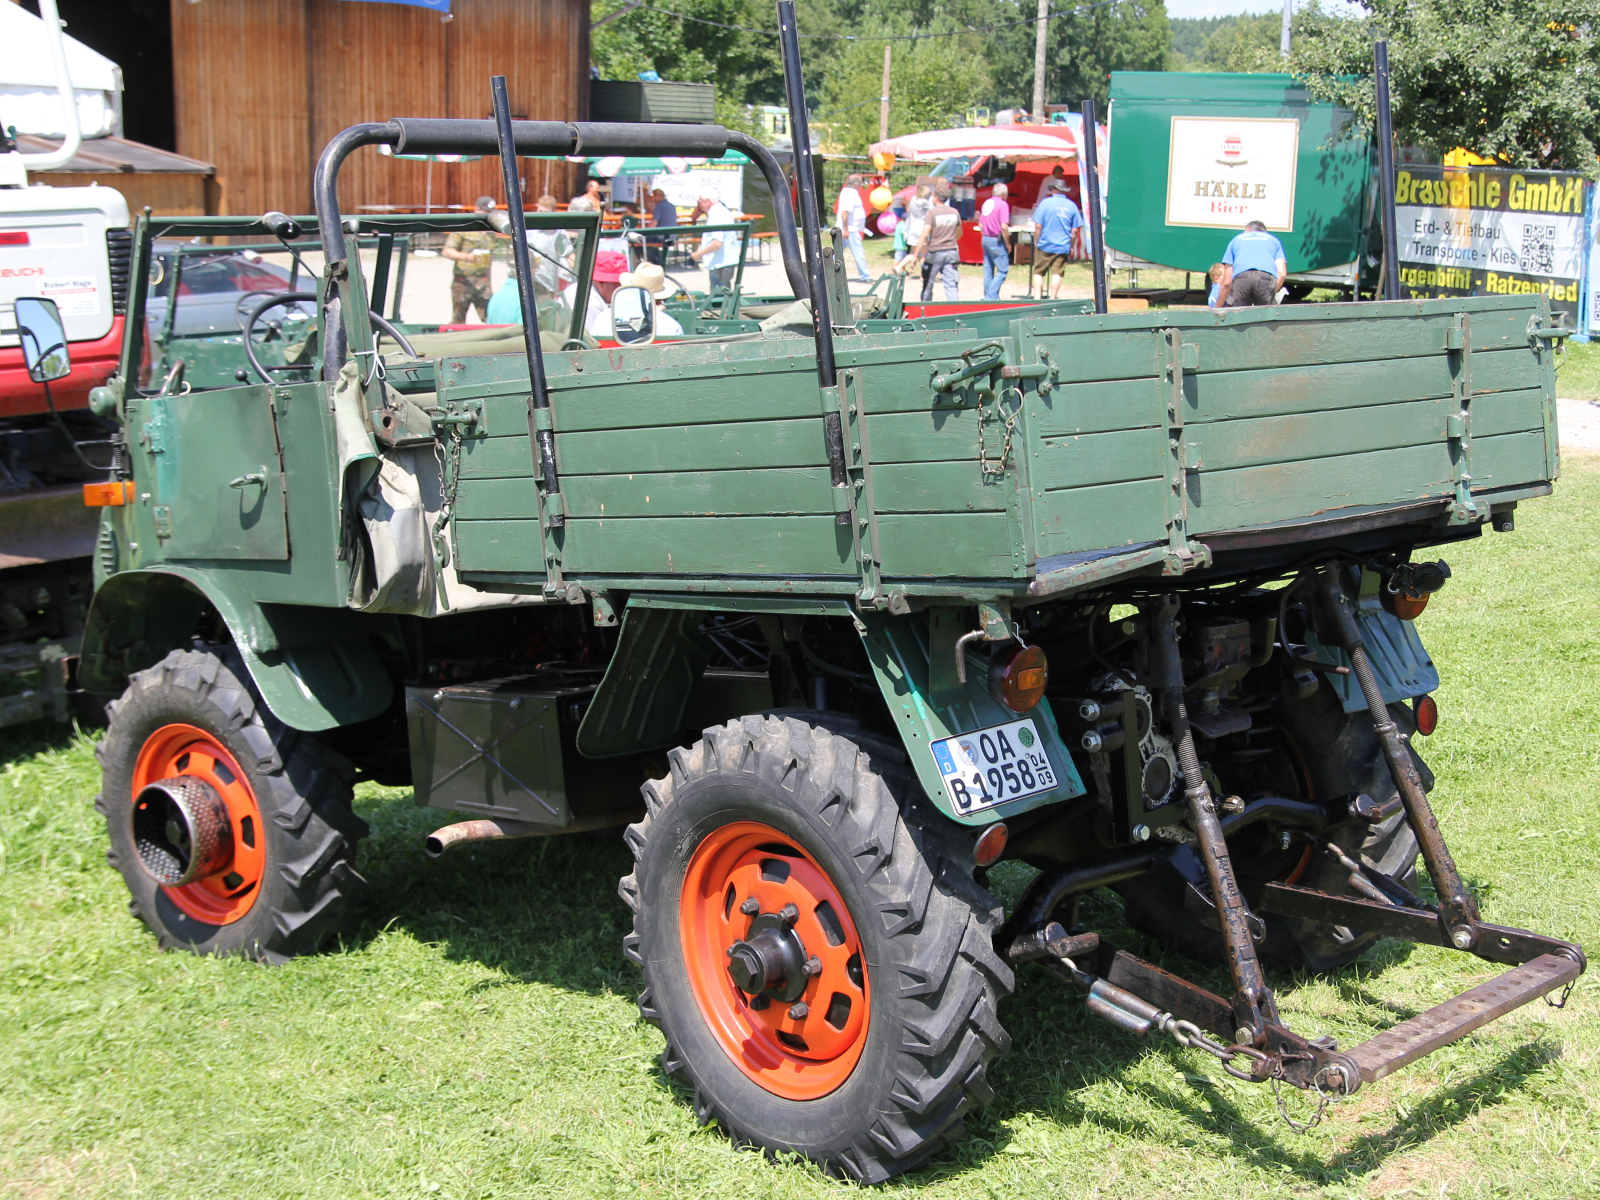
[931, 81]
[1245, 43]
[1512, 80]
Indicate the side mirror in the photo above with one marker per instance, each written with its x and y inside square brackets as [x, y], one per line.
[633, 316]
[44, 341]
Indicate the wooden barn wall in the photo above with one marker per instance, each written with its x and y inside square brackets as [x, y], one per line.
[261, 85]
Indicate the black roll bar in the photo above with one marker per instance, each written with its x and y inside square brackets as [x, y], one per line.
[419, 135]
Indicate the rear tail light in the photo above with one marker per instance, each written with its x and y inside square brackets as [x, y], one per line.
[991, 844]
[1427, 714]
[14, 237]
[1407, 608]
[1017, 678]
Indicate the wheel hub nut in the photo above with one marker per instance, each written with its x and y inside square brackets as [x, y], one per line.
[771, 958]
[181, 831]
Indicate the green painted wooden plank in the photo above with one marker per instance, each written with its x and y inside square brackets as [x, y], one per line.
[788, 490]
[747, 444]
[1505, 370]
[1070, 520]
[1092, 458]
[1506, 412]
[498, 546]
[1298, 490]
[1091, 355]
[930, 487]
[1340, 338]
[1509, 459]
[497, 457]
[513, 498]
[1230, 395]
[965, 545]
[1098, 407]
[1225, 445]
[942, 436]
[756, 545]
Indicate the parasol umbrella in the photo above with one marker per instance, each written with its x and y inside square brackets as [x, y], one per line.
[430, 159]
[1010, 142]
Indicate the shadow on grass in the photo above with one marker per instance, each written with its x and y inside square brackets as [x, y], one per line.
[545, 910]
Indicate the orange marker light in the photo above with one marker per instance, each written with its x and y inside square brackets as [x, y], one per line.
[1404, 606]
[1018, 680]
[1427, 713]
[108, 495]
[991, 844]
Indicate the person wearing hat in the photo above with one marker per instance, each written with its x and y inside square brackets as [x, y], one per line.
[653, 279]
[718, 252]
[471, 251]
[609, 268]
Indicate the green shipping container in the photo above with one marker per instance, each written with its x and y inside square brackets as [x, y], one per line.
[1195, 155]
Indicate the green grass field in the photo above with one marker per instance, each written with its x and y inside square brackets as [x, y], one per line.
[477, 1036]
[1579, 378]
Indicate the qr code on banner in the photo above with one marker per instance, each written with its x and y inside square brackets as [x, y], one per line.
[1538, 249]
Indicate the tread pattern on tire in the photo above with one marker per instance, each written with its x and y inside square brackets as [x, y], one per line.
[302, 787]
[940, 922]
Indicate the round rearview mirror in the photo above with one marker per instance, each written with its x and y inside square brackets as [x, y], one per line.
[44, 340]
[633, 316]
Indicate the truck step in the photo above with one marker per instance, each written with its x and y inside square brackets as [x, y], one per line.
[1444, 1023]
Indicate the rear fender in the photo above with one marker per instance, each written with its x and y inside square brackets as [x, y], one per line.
[316, 668]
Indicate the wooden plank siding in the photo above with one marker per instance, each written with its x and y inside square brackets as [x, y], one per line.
[261, 85]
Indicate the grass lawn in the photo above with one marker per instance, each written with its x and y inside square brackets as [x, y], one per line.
[477, 1037]
[1579, 378]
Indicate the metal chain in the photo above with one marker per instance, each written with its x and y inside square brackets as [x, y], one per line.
[1325, 1097]
[1187, 1033]
[997, 468]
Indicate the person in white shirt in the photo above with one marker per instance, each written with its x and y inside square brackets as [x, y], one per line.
[853, 220]
[653, 279]
[718, 252]
[609, 267]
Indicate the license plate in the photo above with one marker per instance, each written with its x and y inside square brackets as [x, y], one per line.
[994, 766]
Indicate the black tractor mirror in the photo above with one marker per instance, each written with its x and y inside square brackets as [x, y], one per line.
[44, 340]
[633, 316]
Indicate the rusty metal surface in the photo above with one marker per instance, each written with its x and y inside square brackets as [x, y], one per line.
[1455, 1018]
[1184, 1000]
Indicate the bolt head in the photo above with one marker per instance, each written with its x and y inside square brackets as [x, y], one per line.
[1244, 1036]
[799, 1011]
[1461, 937]
[760, 1002]
[1141, 833]
[750, 907]
[813, 965]
[788, 914]
[1285, 840]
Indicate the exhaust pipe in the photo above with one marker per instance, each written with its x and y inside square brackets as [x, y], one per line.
[498, 829]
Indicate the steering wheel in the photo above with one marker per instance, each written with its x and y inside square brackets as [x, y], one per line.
[240, 314]
[278, 298]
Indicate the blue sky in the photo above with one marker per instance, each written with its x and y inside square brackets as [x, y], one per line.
[1223, 8]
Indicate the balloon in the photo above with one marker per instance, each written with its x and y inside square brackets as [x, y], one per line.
[883, 160]
[887, 222]
[881, 197]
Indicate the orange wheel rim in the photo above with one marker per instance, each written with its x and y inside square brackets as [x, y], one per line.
[799, 1058]
[228, 894]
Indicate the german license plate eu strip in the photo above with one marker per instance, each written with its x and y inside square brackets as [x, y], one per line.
[990, 767]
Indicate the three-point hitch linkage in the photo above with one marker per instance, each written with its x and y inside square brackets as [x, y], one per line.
[1246, 1032]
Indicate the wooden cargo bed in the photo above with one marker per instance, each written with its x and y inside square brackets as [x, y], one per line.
[1126, 441]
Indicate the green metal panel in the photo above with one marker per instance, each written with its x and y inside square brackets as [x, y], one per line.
[1331, 181]
[219, 489]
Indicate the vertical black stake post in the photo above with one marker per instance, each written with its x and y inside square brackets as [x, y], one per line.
[1090, 190]
[1391, 255]
[539, 401]
[811, 229]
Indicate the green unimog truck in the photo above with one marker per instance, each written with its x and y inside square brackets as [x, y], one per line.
[827, 623]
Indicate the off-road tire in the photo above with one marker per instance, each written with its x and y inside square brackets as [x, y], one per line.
[302, 788]
[925, 927]
[1340, 756]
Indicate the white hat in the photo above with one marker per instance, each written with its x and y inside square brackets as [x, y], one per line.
[646, 275]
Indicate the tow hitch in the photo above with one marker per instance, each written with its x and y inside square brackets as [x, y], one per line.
[1245, 1032]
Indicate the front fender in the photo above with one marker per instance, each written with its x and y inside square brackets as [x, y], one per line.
[315, 668]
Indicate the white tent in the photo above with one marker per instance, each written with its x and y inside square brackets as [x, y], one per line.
[28, 96]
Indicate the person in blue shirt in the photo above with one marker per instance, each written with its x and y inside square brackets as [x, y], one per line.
[1253, 268]
[1056, 221]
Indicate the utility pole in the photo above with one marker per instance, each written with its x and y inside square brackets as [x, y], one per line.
[1040, 37]
[1283, 39]
[883, 115]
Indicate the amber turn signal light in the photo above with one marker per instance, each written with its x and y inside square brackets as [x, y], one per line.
[1427, 714]
[1407, 608]
[108, 495]
[1017, 678]
[991, 844]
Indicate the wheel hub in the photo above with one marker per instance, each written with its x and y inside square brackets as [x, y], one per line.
[182, 831]
[771, 959]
